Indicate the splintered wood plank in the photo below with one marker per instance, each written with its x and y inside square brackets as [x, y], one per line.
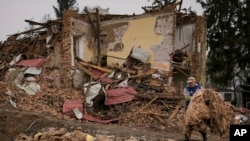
[133, 76]
[151, 71]
[146, 105]
[161, 96]
[96, 67]
[174, 113]
[86, 71]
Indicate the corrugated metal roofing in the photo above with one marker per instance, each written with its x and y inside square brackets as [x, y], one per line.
[69, 105]
[119, 95]
[32, 62]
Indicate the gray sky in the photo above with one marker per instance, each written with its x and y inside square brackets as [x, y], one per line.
[14, 12]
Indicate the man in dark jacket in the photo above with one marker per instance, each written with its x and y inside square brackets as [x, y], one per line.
[190, 89]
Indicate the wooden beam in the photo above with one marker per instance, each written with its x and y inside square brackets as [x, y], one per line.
[28, 31]
[86, 71]
[134, 76]
[165, 104]
[173, 114]
[181, 71]
[160, 120]
[90, 20]
[147, 105]
[113, 57]
[184, 47]
[96, 67]
[124, 69]
[35, 23]
[161, 96]
[98, 37]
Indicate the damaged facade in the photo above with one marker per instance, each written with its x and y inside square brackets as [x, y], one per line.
[170, 42]
[164, 44]
[108, 59]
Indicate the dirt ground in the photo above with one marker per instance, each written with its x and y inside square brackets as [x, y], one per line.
[14, 122]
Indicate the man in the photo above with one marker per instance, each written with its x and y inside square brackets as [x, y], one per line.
[189, 91]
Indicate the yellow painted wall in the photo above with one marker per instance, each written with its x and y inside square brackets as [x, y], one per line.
[140, 32]
[88, 52]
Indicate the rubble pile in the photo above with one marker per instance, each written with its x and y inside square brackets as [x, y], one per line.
[147, 104]
[208, 112]
[154, 103]
[133, 93]
[41, 74]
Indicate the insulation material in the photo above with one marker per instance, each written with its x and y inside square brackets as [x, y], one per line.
[208, 112]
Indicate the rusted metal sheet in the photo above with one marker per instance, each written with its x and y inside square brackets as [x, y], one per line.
[120, 95]
[97, 73]
[32, 62]
[69, 105]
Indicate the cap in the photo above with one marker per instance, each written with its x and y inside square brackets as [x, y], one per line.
[190, 79]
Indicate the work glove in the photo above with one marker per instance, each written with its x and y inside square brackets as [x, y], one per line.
[188, 98]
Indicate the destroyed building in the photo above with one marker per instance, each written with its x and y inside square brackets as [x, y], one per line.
[167, 40]
[92, 58]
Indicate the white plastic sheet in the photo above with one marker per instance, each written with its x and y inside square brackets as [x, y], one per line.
[92, 93]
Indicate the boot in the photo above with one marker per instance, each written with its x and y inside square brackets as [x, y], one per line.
[186, 138]
[204, 135]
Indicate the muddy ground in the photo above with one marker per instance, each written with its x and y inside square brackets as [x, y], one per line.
[14, 122]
